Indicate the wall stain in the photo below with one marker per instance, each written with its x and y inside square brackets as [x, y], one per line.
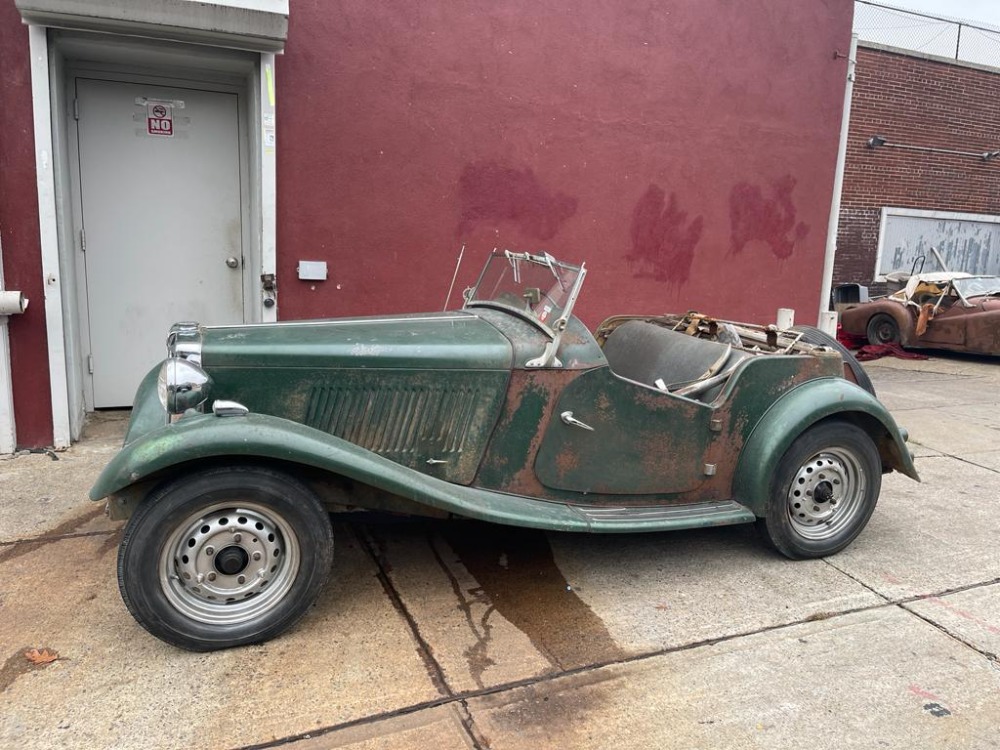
[519, 579]
[770, 218]
[663, 240]
[492, 193]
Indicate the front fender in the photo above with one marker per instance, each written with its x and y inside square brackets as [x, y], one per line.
[204, 436]
[793, 414]
[267, 437]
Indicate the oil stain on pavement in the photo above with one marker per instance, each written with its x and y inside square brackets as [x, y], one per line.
[519, 580]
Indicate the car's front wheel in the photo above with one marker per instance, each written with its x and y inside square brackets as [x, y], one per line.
[882, 329]
[224, 557]
[824, 491]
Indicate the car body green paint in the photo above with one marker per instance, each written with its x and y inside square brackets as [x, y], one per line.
[433, 341]
[796, 411]
[451, 411]
[258, 436]
[659, 439]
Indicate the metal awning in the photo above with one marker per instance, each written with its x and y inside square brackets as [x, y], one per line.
[255, 25]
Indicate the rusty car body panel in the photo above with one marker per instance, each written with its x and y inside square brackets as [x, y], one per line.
[246, 438]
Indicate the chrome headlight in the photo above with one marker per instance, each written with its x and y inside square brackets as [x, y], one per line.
[182, 385]
[184, 341]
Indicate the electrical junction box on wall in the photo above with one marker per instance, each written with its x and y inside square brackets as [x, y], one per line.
[312, 270]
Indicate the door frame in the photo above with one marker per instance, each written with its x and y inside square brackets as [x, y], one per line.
[251, 250]
[55, 55]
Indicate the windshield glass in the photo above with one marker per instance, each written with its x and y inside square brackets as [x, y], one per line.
[977, 286]
[537, 287]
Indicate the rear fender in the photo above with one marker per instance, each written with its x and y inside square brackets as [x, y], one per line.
[797, 411]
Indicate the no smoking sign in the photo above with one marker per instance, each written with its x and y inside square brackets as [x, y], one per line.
[159, 119]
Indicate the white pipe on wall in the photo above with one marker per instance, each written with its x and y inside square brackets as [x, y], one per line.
[838, 187]
[7, 432]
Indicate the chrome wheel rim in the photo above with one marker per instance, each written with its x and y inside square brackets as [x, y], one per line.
[229, 563]
[827, 494]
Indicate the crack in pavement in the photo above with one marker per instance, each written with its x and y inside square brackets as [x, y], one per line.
[879, 594]
[461, 699]
[955, 636]
[903, 603]
[476, 655]
[434, 669]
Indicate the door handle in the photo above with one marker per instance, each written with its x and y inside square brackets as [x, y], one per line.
[232, 262]
[568, 418]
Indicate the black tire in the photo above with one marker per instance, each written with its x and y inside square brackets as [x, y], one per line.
[852, 368]
[882, 329]
[260, 541]
[834, 467]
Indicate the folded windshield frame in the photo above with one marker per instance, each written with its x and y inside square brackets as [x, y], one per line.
[535, 287]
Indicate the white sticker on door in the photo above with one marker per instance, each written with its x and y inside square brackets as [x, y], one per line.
[159, 119]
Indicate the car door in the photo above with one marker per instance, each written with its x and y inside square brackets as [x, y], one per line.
[612, 436]
[948, 326]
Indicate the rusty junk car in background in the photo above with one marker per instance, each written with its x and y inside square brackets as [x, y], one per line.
[508, 410]
[939, 310]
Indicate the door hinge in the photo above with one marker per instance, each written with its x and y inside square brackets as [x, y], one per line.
[83, 241]
[90, 363]
[76, 108]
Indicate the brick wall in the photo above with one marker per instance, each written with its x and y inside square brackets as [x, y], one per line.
[919, 101]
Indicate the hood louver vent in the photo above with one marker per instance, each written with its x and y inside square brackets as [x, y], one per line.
[396, 421]
[440, 428]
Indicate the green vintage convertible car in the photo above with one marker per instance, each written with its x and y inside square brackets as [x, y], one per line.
[245, 439]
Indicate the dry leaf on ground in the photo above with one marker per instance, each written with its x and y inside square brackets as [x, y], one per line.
[41, 657]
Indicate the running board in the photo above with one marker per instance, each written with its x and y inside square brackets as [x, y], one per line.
[663, 517]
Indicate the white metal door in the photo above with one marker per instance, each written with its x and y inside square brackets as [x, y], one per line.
[162, 222]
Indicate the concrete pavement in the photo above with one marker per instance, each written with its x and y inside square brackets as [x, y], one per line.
[458, 635]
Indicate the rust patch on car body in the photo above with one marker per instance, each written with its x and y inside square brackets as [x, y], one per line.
[510, 456]
[656, 438]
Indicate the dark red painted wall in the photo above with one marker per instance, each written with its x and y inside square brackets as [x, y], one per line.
[685, 150]
[22, 263]
[919, 102]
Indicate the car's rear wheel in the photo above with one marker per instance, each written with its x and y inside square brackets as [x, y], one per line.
[882, 329]
[224, 557]
[852, 368]
[824, 491]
